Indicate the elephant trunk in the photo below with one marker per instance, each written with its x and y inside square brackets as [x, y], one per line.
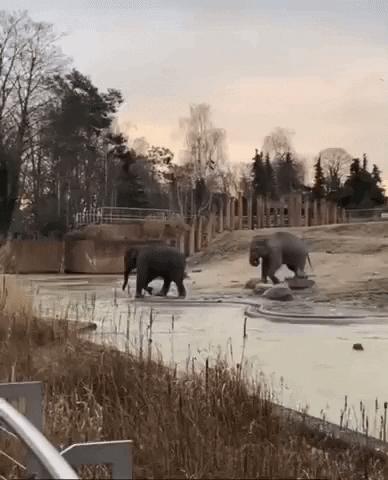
[254, 260]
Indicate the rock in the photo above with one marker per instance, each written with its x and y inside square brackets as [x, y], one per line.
[259, 290]
[252, 283]
[278, 292]
[358, 346]
[297, 283]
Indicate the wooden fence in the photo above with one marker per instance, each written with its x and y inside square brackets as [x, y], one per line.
[257, 212]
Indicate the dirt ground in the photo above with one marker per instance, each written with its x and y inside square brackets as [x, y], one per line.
[350, 262]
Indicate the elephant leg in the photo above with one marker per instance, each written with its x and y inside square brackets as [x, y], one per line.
[274, 265]
[165, 288]
[142, 282]
[126, 275]
[180, 286]
[264, 269]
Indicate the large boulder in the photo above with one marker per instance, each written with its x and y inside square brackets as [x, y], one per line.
[278, 292]
[299, 283]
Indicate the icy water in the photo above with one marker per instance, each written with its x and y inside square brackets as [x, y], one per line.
[304, 363]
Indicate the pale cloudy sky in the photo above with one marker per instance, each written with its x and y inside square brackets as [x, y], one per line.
[318, 67]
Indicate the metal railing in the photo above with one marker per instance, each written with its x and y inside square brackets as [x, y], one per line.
[366, 215]
[49, 458]
[42, 458]
[120, 215]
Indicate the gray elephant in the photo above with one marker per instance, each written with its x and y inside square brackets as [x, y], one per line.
[281, 248]
[153, 261]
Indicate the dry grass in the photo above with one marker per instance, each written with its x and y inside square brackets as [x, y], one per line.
[206, 424]
[13, 299]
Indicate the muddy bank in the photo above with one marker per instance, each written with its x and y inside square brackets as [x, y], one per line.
[350, 262]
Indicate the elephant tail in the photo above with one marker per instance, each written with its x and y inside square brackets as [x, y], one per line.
[126, 272]
[308, 258]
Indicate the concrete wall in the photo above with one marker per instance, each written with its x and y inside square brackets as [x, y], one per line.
[32, 256]
[97, 256]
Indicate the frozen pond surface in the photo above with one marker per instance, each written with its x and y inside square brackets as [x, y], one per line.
[316, 362]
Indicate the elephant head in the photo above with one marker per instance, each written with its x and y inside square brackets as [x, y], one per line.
[130, 260]
[259, 249]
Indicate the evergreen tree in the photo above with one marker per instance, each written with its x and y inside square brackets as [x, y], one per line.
[287, 175]
[318, 189]
[130, 189]
[364, 162]
[270, 178]
[355, 168]
[259, 181]
[376, 174]
[362, 189]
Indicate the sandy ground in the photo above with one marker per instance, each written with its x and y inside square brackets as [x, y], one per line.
[350, 262]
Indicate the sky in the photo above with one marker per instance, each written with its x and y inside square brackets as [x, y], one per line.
[317, 67]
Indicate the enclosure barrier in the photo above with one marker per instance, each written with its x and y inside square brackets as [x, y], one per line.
[118, 215]
[43, 460]
[366, 215]
[228, 213]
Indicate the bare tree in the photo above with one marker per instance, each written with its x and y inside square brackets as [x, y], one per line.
[335, 163]
[278, 143]
[205, 152]
[29, 57]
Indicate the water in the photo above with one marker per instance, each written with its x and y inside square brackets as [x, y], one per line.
[305, 364]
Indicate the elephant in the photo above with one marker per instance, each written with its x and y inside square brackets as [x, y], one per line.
[278, 249]
[153, 261]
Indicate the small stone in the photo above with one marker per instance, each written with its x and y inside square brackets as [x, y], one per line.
[196, 270]
[278, 292]
[252, 283]
[259, 290]
[358, 346]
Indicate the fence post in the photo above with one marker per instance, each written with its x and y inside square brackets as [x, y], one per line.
[259, 212]
[249, 212]
[198, 234]
[191, 239]
[232, 214]
[334, 212]
[240, 211]
[298, 207]
[267, 212]
[323, 211]
[306, 212]
[228, 214]
[281, 212]
[220, 222]
[290, 210]
[209, 228]
[181, 242]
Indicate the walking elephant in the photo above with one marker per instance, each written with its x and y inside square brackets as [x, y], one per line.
[281, 248]
[153, 261]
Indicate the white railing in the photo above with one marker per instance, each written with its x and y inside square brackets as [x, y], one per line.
[119, 215]
[43, 460]
[49, 458]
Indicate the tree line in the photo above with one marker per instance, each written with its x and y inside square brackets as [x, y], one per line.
[337, 177]
[62, 150]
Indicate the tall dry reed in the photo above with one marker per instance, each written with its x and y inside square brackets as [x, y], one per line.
[210, 423]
